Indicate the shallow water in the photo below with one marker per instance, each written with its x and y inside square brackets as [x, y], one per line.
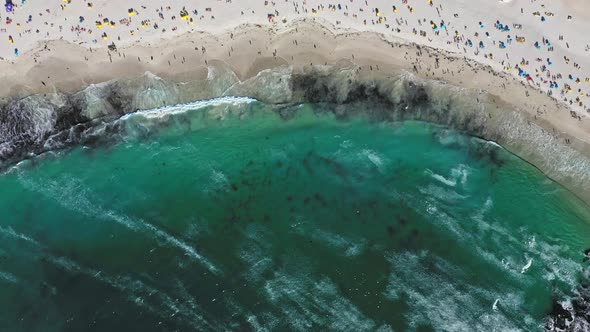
[224, 216]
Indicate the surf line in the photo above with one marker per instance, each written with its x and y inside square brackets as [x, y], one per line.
[527, 266]
[195, 105]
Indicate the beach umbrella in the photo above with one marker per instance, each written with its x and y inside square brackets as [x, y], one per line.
[8, 6]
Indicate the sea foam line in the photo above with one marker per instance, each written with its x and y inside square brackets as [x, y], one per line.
[73, 196]
[10, 232]
[182, 108]
[442, 179]
[8, 277]
[143, 295]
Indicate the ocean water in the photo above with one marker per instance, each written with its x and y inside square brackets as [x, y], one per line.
[230, 215]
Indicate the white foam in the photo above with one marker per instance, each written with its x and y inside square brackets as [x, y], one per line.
[458, 174]
[257, 260]
[219, 177]
[441, 193]
[8, 277]
[527, 266]
[480, 215]
[559, 266]
[447, 303]
[306, 303]
[441, 179]
[347, 247]
[260, 322]
[182, 108]
[256, 326]
[494, 144]
[461, 172]
[71, 193]
[384, 328]
[10, 232]
[138, 292]
[374, 158]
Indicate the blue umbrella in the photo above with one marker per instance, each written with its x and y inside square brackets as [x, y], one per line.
[8, 6]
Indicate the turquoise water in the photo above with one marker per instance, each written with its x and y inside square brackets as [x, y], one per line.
[227, 217]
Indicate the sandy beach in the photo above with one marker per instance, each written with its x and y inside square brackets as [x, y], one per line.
[63, 46]
[544, 39]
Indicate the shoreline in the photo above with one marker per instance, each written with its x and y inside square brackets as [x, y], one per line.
[201, 65]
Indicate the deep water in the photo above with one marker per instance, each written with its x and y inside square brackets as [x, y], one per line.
[229, 215]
